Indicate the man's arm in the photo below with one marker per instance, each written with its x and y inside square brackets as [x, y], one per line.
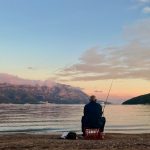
[85, 110]
[100, 110]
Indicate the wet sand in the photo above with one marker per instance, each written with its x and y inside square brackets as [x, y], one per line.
[52, 142]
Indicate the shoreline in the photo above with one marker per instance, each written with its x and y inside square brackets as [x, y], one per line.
[60, 133]
[113, 141]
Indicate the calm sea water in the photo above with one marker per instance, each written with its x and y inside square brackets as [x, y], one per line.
[51, 118]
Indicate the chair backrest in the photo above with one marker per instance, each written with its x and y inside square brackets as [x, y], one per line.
[93, 134]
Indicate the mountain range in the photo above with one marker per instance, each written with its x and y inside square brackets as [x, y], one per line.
[20, 91]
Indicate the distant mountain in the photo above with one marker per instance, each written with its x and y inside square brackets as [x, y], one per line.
[143, 99]
[59, 94]
[14, 89]
[17, 90]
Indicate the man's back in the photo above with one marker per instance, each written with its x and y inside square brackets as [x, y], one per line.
[93, 109]
[93, 113]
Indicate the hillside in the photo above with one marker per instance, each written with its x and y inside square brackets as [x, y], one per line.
[143, 99]
[59, 94]
[16, 90]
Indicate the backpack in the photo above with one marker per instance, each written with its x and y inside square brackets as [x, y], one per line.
[71, 136]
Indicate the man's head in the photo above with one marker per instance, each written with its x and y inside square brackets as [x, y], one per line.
[92, 98]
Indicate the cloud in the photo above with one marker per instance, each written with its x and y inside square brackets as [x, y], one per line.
[144, 1]
[91, 56]
[139, 31]
[146, 9]
[127, 61]
[143, 5]
[97, 91]
[30, 68]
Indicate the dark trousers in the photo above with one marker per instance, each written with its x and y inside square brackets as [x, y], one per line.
[87, 124]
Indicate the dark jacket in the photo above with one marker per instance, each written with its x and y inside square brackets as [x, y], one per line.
[93, 114]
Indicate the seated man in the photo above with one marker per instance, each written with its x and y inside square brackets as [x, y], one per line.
[93, 116]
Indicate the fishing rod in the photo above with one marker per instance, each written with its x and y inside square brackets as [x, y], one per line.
[107, 96]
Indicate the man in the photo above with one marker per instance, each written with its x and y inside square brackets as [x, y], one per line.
[93, 116]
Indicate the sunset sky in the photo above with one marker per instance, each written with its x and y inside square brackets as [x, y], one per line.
[83, 43]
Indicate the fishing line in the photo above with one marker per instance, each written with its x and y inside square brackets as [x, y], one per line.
[107, 96]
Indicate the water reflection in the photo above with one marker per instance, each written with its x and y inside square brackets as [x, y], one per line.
[56, 118]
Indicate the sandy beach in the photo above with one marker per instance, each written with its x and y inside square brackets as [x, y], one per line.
[53, 142]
